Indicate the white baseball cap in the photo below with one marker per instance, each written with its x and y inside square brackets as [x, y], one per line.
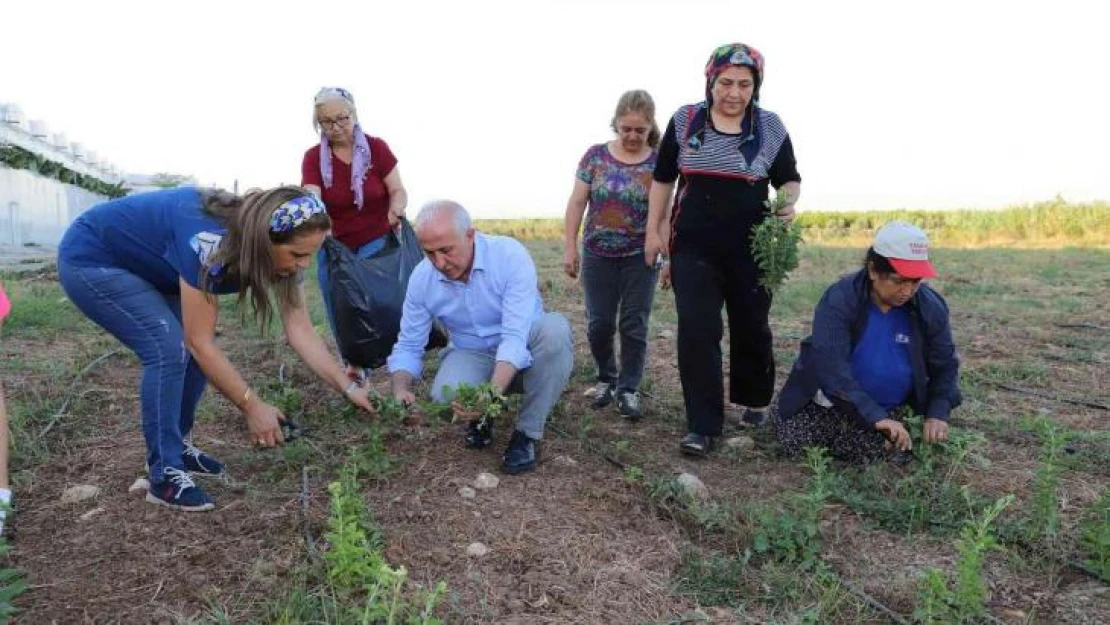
[906, 247]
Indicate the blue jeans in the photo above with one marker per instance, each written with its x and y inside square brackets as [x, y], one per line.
[619, 293]
[552, 349]
[149, 323]
[366, 250]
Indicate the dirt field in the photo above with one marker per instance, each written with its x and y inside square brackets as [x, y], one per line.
[593, 535]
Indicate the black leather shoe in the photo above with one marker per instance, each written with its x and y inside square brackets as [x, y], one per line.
[696, 444]
[479, 436]
[520, 456]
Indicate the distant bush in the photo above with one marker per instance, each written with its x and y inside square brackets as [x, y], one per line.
[1044, 224]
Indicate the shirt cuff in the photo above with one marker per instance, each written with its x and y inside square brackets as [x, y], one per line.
[405, 362]
[939, 409]
[515, 354]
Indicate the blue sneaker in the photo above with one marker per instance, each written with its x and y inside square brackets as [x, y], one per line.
[199, 463]
[178, 491]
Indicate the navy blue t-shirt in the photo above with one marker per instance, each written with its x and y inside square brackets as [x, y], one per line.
[159, 236]
[881, 358]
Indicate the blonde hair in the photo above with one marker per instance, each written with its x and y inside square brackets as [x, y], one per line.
[638, 101]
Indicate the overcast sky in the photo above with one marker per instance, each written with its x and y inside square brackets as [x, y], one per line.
[946, 104]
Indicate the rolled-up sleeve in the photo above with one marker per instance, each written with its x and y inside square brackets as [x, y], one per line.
[416, 324]
[518, 309]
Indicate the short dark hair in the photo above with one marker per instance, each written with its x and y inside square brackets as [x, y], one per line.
[880, 263]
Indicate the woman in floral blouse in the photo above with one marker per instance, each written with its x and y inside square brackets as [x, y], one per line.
[611, 190]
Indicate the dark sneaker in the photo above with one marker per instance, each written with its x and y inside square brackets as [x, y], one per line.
[199, 463]
[696, 444]
[602, 394]
[628, 403]
[520, 456]
[178, 491]
[754, 418]
[479, 436]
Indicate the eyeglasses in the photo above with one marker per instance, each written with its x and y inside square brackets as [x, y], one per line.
[338, 122]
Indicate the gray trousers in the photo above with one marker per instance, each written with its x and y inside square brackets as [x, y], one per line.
[619, 293]
[552, 360]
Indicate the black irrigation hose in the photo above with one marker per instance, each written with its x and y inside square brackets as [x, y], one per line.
[609, 458]
[73, 388]
[1082, 326]
[309, 543]
[1087, 403]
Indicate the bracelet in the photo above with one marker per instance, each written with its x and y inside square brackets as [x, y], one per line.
[246, 398]
[350, 387]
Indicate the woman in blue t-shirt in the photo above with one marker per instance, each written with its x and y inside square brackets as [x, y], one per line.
[881, 341]
[613, 179]
[147, 268]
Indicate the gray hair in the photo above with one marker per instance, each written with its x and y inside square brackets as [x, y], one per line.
[435, 208]
[333, 94]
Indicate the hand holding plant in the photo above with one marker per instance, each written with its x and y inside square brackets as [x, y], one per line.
[774, 243]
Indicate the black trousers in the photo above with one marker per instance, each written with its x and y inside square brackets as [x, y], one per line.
[703, 284]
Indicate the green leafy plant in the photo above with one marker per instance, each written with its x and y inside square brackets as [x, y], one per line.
[12, 583]
[633, 474]
[371, 458]
[792, 535]
[962, 599]
[356, 566]
[483, 402]
[1044, 522]
[774, 245]
[389, 408]
[1094, 535]
[923, 495]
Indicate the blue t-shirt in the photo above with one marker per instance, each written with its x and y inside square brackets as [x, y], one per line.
[881, 359]
[159, 236]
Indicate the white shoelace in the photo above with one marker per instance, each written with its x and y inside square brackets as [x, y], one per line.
[192, 451]
[179, 478]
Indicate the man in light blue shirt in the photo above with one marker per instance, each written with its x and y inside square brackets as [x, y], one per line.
[483, 289]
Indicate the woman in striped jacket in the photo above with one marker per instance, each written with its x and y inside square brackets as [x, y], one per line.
[724, 153]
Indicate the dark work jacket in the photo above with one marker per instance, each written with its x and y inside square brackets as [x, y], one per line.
[825, 360]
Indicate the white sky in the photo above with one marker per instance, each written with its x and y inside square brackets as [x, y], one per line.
[946, 104]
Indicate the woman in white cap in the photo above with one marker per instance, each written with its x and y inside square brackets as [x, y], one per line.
[356, 176]
[881, 341]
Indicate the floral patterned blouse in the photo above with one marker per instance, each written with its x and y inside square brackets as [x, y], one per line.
[616, 216]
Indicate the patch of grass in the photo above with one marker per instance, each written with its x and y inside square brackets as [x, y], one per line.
[42, 310]
[1094, 535]
[712, 578]
[961, 599]
[923, 495]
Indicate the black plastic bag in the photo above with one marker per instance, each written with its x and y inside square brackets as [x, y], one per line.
[367, 295]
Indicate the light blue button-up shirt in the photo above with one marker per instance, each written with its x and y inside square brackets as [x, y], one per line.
[492, 312]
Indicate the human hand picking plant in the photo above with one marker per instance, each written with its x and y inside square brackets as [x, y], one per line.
[481, 403]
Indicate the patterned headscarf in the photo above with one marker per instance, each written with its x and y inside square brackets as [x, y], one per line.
[733, 54]
[360, 152]
[722, 58]
[295, 212]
